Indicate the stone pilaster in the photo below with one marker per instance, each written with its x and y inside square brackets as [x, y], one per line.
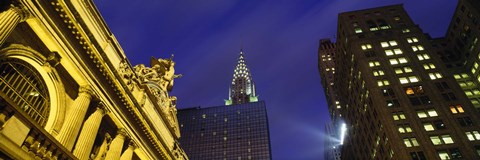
[115, 148]
[73, 121]
[87, 135]
[128, 153]
[9, 20]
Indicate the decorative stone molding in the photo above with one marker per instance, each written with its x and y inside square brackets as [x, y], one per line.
[86, 89]
[127, 74]
[21, 11]
[53, 59]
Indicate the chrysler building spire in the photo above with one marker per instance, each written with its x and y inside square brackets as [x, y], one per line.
[242, 89]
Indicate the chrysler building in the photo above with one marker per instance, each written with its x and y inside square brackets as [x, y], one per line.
[242, 89]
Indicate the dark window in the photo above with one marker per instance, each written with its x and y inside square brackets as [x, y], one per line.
[439, 124]
[417, 156]
[382, 23]
[422, 100]
[371, 24]
[465, 121]
[449, 96]
[425, 100]
[442, 86]
[388, 92]
[393, 103]
[370, 54]
[415, 101]
[477, 149]
[455, 152]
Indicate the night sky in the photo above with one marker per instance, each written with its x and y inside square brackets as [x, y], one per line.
[280, 40]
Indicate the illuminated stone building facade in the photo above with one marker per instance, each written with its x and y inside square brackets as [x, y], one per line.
[233, 131]
[397, 97]
[67, 90]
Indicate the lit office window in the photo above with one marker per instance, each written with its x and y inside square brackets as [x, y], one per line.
[378, 73]
[373, 63]
[427, 113]
[447, 139]
[384, 44]
[429, 66]
[442, 139]
[392, 43]
[396, 51]
[417, 48]
[443, 155]
[474, 68]
[405, 128]
[461, 76]
[393, 61]
[414, 90]
[435, 75]
[400, 70]
[389, 52]
[388, 44]
[428, 126]
[456, 109]
[436, 140]
[472, 92]
[412, 40]
[467, 84]
[411, 142]
[473, 135]
[399, 116]
[432, 113]
[383, 83]
[405, 30]
[366, 46]
[358, 30]
[396, 61]
[422, 57]
[411, 79]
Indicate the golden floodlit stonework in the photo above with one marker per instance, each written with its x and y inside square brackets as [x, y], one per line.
[67, 90]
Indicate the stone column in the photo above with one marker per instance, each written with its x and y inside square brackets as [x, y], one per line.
[73, 120]
[103, 148]
[9, 20]
[87, 135]
[115, 148]
[128, 154]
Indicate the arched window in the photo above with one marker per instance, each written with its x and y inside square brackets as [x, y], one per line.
[25, 87]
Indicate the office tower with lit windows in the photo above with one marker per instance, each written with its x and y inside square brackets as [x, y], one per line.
[397, 98]
[326, 67]
[237, 130]
[459, 49]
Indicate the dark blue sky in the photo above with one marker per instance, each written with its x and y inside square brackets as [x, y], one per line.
[280, 40]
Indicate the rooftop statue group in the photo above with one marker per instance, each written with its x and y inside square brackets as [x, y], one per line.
[159, 78]
[162, 72]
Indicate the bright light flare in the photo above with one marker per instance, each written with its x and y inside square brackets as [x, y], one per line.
[343, 131]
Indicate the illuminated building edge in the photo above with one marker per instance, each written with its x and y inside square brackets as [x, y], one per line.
[83, 68]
